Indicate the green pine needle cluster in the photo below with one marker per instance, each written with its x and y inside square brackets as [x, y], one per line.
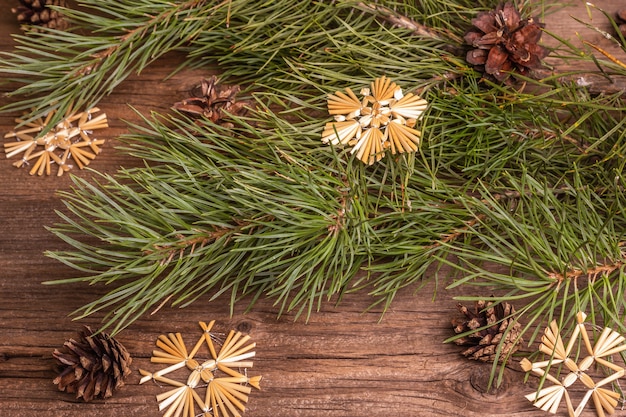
[519, 189]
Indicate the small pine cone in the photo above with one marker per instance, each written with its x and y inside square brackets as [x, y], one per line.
[484, 343]
[504, 43]
[93, 366]
[38, 13]
[213, 100]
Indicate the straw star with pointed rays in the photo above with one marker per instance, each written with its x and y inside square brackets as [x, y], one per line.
[548, 399]
[225, 395]
[68, 140]
[384, 119]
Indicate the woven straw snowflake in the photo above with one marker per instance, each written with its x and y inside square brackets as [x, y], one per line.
[68, 140]
[225, 395]
[548, 399]
[384, 119]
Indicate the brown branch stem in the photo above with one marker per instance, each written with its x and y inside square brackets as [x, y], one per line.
[574, 273]
[402, 21]
[183, 244]
[138, 33]
[507, 195]
[399, 20]
[456, 233]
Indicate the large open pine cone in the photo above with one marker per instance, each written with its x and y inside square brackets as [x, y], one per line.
[38, 13]
[93, 366]
[483, 344]
[505, 43]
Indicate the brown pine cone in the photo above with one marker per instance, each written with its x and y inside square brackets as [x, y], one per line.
[213, 100]
[483, 344]
[504, 44]
[38, 13]
[93, 366]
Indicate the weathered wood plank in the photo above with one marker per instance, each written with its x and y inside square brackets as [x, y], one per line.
[343, 362]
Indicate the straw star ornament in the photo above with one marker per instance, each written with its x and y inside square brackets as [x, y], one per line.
[225, 395]
[383, 119]
[68, 140]
[548, 399]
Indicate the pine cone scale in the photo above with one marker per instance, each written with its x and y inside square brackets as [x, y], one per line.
[485, 21]
[477, 57]
[496, 59]
[87, 363]
[65, 378]
[65, 359]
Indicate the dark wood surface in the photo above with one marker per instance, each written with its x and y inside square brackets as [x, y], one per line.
[343, 362]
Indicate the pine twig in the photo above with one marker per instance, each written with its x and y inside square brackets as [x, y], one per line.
[80, 67]
[399, 20]
[574, 274]
[139, 33]
[468, 225]
[402, 21]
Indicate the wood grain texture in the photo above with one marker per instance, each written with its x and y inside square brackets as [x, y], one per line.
[342, 363]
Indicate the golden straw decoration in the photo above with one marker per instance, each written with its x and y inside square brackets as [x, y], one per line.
[383, 119]
[67, 141]
[548, 398]
[225, 395]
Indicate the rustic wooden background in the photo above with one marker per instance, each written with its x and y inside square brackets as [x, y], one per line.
[343, 362]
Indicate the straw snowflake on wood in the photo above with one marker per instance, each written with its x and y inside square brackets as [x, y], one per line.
[68, 140]
[225, 394]
[384, 119]
[548, 399]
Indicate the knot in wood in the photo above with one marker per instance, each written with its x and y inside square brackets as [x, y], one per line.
[244, 327]
[479, 380]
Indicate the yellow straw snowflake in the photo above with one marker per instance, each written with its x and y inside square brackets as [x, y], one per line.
[68, 140]
[548, 399]
[225, 395]
[383, 119]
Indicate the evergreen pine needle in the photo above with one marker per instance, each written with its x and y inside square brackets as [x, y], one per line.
[529, 180]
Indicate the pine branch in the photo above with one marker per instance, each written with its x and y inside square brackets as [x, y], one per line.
[603, 269]
[568, 234]
[362, 218]
[131, 37]
[527, 179]
[59, 69]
